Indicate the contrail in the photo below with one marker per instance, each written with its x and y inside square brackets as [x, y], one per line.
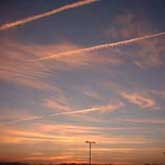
[101, 108]
[109, 107]
[102, 46]
[46, 14]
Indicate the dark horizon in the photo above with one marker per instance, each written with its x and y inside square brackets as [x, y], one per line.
[24, 163]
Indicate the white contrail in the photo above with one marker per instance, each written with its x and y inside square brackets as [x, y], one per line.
[46, 14]
[100, 108]
[109, 108]
[101, 46]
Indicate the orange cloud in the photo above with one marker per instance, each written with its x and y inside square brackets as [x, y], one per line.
[66, 136]
[62, 158]
[68, 129]
[139, 99]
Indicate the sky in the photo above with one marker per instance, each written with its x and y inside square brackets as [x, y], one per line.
[77, 70]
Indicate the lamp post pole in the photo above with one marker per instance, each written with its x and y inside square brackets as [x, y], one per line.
[163, 154]
[90, 150]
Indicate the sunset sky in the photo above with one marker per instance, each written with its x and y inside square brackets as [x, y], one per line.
[65, 78]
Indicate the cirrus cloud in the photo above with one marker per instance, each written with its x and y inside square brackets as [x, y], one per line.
[139, 99]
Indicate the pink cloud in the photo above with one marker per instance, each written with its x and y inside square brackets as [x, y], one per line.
[57, 105]
[17, 63]
[139, 99]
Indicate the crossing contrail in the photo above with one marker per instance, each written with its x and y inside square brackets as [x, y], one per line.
[46, 14]
[101, 46]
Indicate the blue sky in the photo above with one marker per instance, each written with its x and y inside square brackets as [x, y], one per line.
[114, 96]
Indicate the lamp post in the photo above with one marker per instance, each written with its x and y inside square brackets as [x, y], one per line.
[163, 155]
[90, 150]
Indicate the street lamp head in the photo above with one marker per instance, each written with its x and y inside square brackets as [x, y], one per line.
[91, 142]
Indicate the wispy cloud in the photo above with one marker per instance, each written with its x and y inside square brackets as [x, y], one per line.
[147, 53]
[160, 93]
[15, 114]
[128, 24]
[108, 108]
[150, 54]
[153, 121]
[56, 105]
[103, 108]
[139, 99]
[101, 46]
[67, 129]
[15, 66]
[14, 69]
[78, 129]
[46, 14]
[65, 136]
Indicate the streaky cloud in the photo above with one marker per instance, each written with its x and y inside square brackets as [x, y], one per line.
[102, 46]
[139, 99]
[109, 107]
[46, 14]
